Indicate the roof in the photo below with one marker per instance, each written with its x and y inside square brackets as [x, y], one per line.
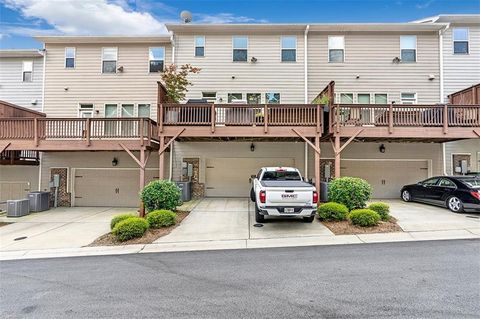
[104, 39]
[24, 53]
[452, 18]
[295, 27]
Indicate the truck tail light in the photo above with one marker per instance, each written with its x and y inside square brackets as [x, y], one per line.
[263, 197]
[476, 194]
[315, 197]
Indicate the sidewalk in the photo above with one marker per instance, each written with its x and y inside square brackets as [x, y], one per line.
[243, 244]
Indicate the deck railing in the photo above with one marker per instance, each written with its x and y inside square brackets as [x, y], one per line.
[400, 115]
[77, 129]
[240, 115]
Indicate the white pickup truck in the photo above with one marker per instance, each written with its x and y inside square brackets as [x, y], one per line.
[281, 191]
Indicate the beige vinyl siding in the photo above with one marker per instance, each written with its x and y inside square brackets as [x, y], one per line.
[461, 70]
[94, 160]
[471, 146]
[267, 75]
[12, 87]
[87, 84]
[370, 55]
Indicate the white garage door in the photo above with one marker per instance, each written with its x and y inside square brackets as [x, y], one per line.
[109, 187]
[386, 177]
[230, 177]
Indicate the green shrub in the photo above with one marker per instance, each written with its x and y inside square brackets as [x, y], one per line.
[118, 218]
[129, 228]
[160, 194]
[352, 192]
[364, 217]
[161, 218]
[332, 211]
[382, 209]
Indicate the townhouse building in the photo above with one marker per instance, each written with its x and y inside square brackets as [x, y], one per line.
[256, 102]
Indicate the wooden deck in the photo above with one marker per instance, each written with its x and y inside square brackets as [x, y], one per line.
[74, 134]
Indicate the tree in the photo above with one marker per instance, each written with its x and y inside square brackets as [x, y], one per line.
[176, 81]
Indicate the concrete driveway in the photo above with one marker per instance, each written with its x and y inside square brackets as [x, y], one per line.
[63, 227]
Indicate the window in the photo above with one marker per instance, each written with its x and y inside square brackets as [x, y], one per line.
[446, 183]
[109, 60]
[272, 98]
[408, 48]
[336, 49]
[86, 110]
[289, 49]
[127, 110]
[346, 98]
[381, 98]
[460, 41]
[143, 110]
[199, 46]
[209, 96]
[234, 97]
[110, 110]
[409, 98]
[363, 98]
[156, 58]
[27, 71]
[254, 98]
[240, 49]
[431, 181]
[69, 58]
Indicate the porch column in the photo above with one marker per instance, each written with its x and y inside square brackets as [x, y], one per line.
[337, 156]
[317, 164]
[142, 168]
[161, 158]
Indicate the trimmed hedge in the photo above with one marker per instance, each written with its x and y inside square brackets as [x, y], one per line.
[130, 228]
[364, 217]
[118, 218]
[161, 218]
[332, 211]
[352, 192]
[382, 209]
[160, 194]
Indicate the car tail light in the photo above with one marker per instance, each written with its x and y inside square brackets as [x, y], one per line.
[315, 197]
[263, 197]
[476, 194]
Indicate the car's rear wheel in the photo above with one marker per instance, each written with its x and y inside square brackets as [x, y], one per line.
[308, 219]
[258, 217]
[252, 195]
[406, 196]
[455, 204]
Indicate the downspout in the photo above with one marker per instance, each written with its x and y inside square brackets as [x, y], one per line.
[40, 154]
[305, 65]
[442, 89]
[172, 42]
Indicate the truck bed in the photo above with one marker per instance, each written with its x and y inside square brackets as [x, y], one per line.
[285, 184]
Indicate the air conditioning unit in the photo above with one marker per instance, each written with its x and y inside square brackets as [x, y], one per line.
[39, 201]
[18, 208]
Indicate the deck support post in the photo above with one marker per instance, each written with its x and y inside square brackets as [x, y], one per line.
[337, 156]
[317, 164]
[161, 158]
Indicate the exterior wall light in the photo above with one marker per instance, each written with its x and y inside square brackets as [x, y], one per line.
[382, 148]
[252, 147]
[114, 161]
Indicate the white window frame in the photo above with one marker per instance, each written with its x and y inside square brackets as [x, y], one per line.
[233, 47]
[149, 60]
[415, 99]
[116, 61]
[242, 99]
[382, 93]
[209, 98]
[81, 111]
[74, 58]
[204, 46]
[105, 109]
[416, 48]
[23, 71]
[282, 48]
[273, 92]
[328, 48]
[136, 108]
[468, 41]
[364, 93]
[338, 96]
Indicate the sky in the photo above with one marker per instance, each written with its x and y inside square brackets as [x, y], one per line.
[22, 19]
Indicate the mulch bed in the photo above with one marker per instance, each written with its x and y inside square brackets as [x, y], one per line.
[149, 237]
[346, 228]
[4, 224]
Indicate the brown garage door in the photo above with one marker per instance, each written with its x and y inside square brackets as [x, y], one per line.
[386, 177]
[229, 177]
[109, 187]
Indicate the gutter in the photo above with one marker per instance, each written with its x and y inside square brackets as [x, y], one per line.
[305, 40]
[43, 75]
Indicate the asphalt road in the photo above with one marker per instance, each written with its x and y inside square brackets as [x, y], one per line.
[438, 279]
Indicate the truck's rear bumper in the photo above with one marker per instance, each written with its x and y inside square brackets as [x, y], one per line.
[305, 211]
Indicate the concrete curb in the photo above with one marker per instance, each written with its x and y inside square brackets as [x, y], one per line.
[241, 244]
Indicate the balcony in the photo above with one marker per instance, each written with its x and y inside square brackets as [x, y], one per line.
[74, 134]
[240, 120]
[405, 121]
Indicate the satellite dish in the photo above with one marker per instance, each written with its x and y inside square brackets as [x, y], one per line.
[186, 16]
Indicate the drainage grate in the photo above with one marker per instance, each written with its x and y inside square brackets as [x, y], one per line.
[476, 217]
[20, 238]
[257, 225]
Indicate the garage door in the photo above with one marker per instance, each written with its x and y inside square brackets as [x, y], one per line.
[109, 187]
[229, 177]
[386, 177]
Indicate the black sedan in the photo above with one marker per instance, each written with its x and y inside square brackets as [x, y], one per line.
[458, 193]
